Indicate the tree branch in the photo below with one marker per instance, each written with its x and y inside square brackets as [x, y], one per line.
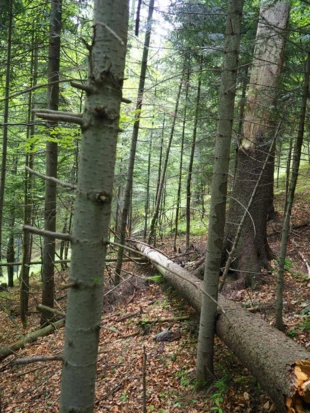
[85, 88]
[29, 360]
[44, 233]
[44, 308]
[50, 178]
[56, 116]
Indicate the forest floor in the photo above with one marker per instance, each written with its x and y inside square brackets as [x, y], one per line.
[129, 352]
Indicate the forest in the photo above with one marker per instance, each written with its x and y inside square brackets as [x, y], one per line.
[154, 206]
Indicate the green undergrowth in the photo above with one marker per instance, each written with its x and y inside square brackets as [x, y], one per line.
[302, 182]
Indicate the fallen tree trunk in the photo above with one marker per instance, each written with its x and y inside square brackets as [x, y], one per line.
[281, 366]
[30, 338]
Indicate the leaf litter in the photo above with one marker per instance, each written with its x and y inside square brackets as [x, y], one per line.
[132, 319]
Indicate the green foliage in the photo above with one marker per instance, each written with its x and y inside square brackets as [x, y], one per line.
[152, 408]
[218, 400]
[288, 264]
[123, 397]
[184, 378]
[306, 311]
[221, 387]
[157, 279]
[304, 326]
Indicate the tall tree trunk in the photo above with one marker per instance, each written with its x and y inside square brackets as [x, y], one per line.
[288, 171]
[51, 160]
[241, 113]
[191, 160]
[64, 265]
[135, 133]
[253, 252]
[160, 158]
[147, 196]
[164, 168]
[204, 368]
[28, 187]
[5, 123]
[178, 205]
[93, 204]
[290, 199]
[10, 256]
[279, 153]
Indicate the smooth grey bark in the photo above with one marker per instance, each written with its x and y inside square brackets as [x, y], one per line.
[51, 160]
[191, 160]
[290, 199]
[279, 365]
[5, 121]
[134, 140]
[93, 204]
[204, 366]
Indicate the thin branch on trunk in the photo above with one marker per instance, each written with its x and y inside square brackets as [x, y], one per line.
[50, 178]
[56, 117]
[44, 233]
[42, 359]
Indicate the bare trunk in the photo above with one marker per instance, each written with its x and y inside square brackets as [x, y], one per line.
[5, 122]
[163, 171]
[178, 205]
[51, 160]
[134, 140]
[204, 367]
[191, 161]
[28, 209]
[10, 256]
[93, 204]
[147, 196]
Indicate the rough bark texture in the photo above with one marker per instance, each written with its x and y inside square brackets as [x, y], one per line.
[275, 360]
[51, 160]
[253, 251]
[93, 204]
